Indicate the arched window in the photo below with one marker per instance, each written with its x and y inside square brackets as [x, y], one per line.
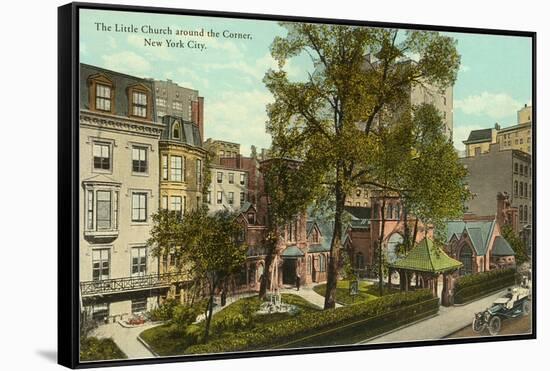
[393, 242]
[516, 188]
[176, 131]
[309, 264]
[466, 260]
[321, 263]
[398, 212]
[521, 189]
[520, 213]
[359, 262]
[389, 214]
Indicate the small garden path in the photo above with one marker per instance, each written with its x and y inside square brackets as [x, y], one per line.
[308, 294]
[126, 338]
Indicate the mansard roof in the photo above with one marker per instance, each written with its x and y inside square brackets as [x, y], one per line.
[120, 83]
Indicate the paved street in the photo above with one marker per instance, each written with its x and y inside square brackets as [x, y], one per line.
[514, 326]
[125, 338]
[448, 321]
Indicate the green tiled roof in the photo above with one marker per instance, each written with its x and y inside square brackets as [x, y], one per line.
[426, 257]
[502, 247]
[292, 252]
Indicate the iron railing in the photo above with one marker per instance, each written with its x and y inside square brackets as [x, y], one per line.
[115, 285]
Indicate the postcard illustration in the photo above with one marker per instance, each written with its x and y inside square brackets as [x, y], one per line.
[250, 185]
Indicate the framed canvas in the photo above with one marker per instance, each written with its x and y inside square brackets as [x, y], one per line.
[242, 185]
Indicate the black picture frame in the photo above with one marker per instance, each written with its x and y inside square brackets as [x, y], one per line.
[68, 184]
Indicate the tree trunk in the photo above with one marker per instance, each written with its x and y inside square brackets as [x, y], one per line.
[264, 282]
[413, 242]
[335, 246]
[406, 230]
[209, 309]
[380, 251]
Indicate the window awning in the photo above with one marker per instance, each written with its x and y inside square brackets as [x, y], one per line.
[292, 252]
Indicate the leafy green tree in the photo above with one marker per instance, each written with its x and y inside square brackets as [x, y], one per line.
[290, 187]
[328, 118]
[205, 245]
[517, 244]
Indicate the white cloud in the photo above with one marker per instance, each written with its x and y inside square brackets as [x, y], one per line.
[494, 105]
[254, 69]
[189, 78]
[126, 61]
[227, 115]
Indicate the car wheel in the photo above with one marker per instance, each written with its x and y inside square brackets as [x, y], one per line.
[526, 307]
[478, 325]
[494, 325]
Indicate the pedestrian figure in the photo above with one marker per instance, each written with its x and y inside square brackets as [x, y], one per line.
[223, 297]
[297, 282]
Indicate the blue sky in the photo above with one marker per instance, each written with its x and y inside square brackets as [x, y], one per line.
[494, 80]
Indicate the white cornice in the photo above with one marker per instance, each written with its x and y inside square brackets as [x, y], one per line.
[129, 125]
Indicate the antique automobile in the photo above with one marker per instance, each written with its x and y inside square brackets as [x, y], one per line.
[515, 303]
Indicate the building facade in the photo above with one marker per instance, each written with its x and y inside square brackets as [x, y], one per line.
[119, 172]
[228, 188]
[518, 136]
[479, 141]
[506, 171]
[182, 165]
[174, 100]
[222, 149]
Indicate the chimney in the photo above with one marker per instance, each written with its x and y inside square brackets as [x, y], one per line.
[197, 114]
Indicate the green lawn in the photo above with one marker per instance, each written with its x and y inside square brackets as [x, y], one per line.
[168, 340]
[367, 292]
[94, 349]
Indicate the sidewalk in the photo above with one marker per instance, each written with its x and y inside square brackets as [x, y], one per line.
[307, 293]
[125, 338]
[447, 321]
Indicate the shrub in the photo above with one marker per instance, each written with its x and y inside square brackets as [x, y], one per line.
[94, 349]
[164, 312]
[184, 315]
[310, 323]
[476, 285]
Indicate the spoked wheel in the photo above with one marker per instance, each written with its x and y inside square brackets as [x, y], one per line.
[494, 325]
[526, 307]
[478, 325]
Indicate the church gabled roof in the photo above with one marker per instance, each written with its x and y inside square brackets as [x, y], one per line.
[427, 257]
[478, 231]
[502, 247]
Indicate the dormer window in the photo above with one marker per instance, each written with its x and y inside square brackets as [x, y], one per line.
[139, 104]
[103, 97]
[101, 93]
[251, 218]
[176, 131]
[139, 101]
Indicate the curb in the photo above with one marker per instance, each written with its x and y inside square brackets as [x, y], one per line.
[147, 346]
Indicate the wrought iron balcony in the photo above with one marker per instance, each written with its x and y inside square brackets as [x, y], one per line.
[125, 284]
